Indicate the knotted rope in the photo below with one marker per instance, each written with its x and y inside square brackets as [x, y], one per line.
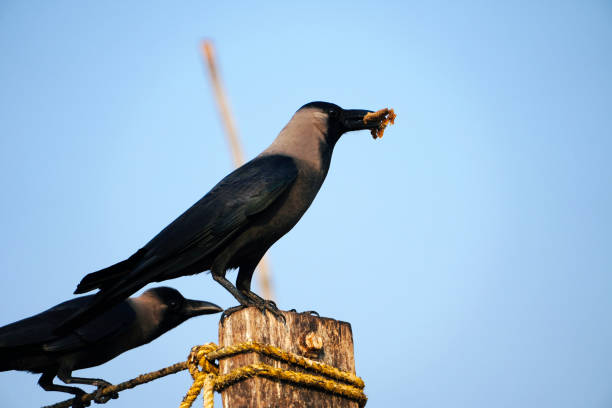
[206, 378]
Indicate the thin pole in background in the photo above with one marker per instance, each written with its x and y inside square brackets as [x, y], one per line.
[265, 279]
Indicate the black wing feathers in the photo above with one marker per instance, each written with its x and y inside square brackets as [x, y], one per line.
[36, 334]
[39, 328]
[197, 233]
[244, 192]
[106, 276]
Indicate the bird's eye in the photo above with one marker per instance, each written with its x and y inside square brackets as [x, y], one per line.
[173, 305]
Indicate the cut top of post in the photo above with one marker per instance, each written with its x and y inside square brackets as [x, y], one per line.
[321, 339]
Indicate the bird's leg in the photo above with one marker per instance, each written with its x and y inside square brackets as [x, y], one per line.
[46, 382]
[218, 274]
[231, 289]
[66, 377]
[243, 283]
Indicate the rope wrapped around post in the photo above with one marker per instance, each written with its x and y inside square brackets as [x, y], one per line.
[206, 378]
[330, 379]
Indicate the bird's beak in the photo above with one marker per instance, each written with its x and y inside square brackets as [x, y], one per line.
[352, 119]
[199, 307]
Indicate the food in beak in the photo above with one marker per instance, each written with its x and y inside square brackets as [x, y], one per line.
[384, 116]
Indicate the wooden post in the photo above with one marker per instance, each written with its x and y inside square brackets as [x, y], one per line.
[322, 339]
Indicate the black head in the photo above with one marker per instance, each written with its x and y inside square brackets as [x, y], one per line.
[176, 309]
[340, 121]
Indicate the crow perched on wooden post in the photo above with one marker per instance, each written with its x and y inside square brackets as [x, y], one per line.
[240, 218]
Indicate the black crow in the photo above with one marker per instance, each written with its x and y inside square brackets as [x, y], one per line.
[235, 223]
[31, 344]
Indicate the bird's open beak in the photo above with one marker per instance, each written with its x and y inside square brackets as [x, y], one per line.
[352, 119]
[199, 307]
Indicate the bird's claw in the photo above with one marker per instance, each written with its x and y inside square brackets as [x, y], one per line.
[253, 299]
[310, 312]
[263, 306]
[229, 311]
[103, 399]
[272, 303]
[77, 402]
[271, 307]
[99, 398]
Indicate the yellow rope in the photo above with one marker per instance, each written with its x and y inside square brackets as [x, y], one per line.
[208, 377]
[292, 358]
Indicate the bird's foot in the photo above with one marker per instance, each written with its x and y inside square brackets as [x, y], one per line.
[77, 402]
[261, 304]
[229, 311]
[310, 312]
[103, 399]
[271, 307]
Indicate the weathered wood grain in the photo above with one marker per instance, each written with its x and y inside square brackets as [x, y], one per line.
[321, 339]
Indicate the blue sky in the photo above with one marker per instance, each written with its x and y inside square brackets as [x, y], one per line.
[470, 248]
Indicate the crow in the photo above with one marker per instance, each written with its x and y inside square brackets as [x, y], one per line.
[31, 344]
[235, 223]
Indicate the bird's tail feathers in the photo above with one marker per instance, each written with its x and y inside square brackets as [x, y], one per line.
[104, 300]
[112, 291]
[107, 277]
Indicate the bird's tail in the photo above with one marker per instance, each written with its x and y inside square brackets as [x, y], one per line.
[109, 296]
[104, 278]
[116, 283]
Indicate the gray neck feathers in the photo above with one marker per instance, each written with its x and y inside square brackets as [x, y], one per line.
[304, 139]
[149, 314]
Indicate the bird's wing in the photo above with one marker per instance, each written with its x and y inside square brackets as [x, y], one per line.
[38, 329]
[246, 191]
[108, 324]
[196, 234]
[212, 221]
[36, 332]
